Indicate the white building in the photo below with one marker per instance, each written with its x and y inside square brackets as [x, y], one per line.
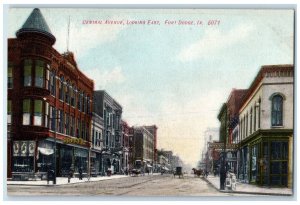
[266, 128]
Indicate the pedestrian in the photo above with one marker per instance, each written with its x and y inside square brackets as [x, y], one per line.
[80, 173]
[70, 175]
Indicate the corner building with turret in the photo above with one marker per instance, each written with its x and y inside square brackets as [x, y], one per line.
[49, 105]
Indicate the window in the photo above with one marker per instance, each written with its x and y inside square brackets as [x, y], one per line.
[73, 95]
[52, 118]
[277, 103]
[254, 123]
[67, 124]
[251, 118]
[67, 92]
[46, 114]
[52, 83]
[47, 77]
[9, 113]
[27, 72]
[39, 73]
[83, 98]
[259, 109]
[79, 100]
[61, 88]
[26, 112]
[72, 125]
[88, 105]
[10, 75]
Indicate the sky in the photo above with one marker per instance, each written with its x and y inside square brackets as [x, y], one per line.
[174, 76]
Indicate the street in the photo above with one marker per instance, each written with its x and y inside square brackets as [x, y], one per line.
[148, 185]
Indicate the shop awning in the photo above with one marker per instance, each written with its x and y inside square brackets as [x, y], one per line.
[149, 166]
[166, 168]
[45, 151]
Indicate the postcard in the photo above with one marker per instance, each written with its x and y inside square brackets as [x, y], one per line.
[150, 102]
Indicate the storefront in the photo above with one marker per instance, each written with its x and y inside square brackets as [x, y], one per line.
[269, 162]
[23, 166]
[45, 156]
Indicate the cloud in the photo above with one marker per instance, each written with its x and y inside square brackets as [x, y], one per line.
[103, 78]
[214, 41]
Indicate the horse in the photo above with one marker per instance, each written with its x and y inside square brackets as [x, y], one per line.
[197, 172]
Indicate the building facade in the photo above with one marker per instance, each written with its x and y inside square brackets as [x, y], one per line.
[126, 146]
[143, 148]
[97, 144]
[266, 128]
[49, 105]
[111, 112]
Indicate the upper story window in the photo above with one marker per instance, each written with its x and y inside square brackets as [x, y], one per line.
[52, 84]
[39, 73]
[27, 72]
[10, 75]
[26, 112]
[35, 112]
[35, 73]
[38, 112]
[67, 92]
[73, 95]
[61, 88]
[277, 107]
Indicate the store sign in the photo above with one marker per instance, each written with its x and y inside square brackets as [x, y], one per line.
[78, 141]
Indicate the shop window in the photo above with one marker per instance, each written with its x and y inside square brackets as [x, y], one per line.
[27, 72]
[277, 105]
[38, 110]
[26, 112]
[9, 112]
[23, 156]
[39, 73]
[279, 163]
[10, 75]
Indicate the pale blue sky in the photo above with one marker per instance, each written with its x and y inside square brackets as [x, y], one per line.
[173, 76]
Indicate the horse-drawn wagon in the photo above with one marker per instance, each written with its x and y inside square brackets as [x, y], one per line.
[178, 172]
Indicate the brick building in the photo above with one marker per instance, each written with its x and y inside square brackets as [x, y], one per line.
[111, 112]
[49, 104]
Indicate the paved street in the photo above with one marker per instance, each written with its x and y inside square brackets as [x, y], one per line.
[152, 185]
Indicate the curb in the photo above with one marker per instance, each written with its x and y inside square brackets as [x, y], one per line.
[50, 185]
[244, 192]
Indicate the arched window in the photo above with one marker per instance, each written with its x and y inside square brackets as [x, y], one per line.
[277, 105]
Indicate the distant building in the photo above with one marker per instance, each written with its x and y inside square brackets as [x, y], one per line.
[143, 148]
[125, 145]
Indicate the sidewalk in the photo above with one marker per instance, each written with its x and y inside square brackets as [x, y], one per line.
[244, 188]
[64, 180]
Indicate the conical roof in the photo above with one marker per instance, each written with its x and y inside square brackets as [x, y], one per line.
[36, 23]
